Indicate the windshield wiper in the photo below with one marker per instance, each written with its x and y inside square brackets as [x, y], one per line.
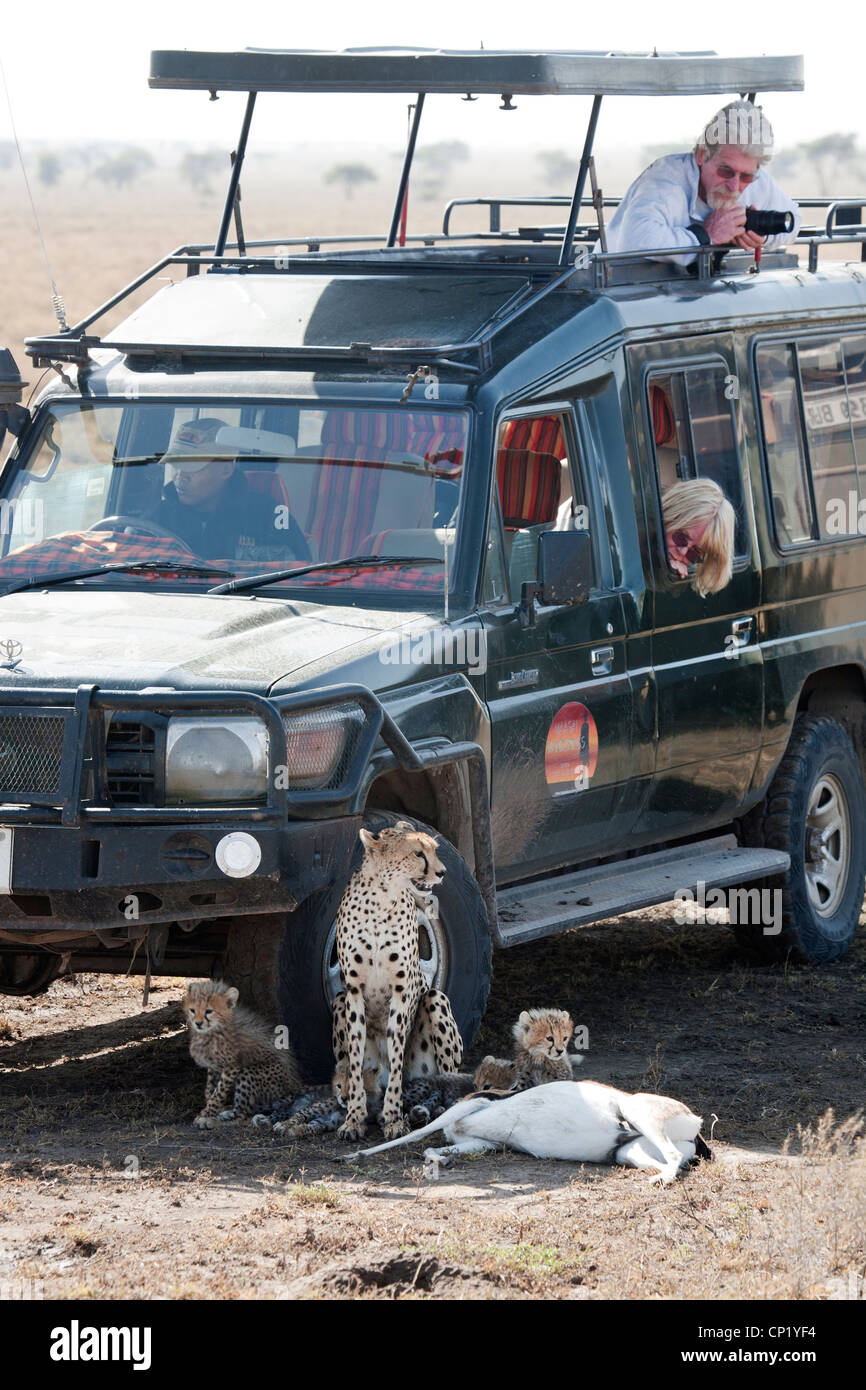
[252, 581]
[43, 581]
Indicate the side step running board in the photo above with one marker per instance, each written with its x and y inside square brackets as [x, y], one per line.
[552, 905]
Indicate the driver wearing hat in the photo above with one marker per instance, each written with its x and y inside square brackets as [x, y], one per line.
[210, 505]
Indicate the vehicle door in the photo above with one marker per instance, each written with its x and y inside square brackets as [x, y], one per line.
[706, 658]
[558, 691]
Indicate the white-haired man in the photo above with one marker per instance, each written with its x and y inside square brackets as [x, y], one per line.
[700, 199]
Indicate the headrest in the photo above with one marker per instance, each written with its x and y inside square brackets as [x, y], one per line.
[436, 437]
[664, 424]
[541, 434]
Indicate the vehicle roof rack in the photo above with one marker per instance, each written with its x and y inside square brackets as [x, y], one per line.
[419, 71]
[498, 71]
[520, 259]
[505, 72]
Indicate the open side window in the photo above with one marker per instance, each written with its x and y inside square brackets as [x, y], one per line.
[693, 430]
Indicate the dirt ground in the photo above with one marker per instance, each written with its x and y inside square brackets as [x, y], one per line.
[107, 1190]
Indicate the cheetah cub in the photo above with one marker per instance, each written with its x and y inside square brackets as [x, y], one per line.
[425, 1098]
[541, 1038]
[245, 1068]
[494, 1074]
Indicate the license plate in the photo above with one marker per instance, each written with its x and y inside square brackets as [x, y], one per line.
[6, 833]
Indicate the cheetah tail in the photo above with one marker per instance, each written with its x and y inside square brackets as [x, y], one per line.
[445, 1120]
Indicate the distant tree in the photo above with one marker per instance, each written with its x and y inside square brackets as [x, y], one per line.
[434, 163]
[85, 154]
[830, 165]
[197, 166]
[833, 159]
[350, 176]
[50, 169]
[558, 168]
[124, 168]
[786, 164]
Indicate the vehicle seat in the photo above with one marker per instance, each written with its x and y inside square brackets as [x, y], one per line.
[269, 483]
[423, 541]
[664, 427]
[349, 503]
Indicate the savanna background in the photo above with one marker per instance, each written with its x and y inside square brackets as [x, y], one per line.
[106, 1189]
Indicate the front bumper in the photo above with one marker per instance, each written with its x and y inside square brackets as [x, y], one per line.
[81, 862]
[120, 877]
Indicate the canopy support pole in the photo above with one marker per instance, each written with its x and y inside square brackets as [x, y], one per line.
[237, 165]
[404, 175]
[565, 250]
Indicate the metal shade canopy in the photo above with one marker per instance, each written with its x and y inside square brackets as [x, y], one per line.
[487, 70]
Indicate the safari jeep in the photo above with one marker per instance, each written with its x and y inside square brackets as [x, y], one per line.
[190, 742]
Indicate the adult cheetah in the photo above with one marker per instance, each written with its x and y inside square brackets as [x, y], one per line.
[377, 947]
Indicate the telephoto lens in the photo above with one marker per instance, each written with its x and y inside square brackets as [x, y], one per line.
[767, 222]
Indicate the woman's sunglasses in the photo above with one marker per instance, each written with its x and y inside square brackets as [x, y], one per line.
[692, 554]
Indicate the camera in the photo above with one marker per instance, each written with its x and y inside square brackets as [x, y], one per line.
[767, 222]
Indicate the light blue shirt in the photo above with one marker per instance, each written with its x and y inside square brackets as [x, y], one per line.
[664, 199]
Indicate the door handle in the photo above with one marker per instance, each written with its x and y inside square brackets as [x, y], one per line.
[601, 660]
[742, 630]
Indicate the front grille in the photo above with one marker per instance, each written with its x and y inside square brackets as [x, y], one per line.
[130, 763]
[31, 754]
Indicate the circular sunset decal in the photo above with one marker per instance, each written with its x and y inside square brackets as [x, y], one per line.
[571, 750]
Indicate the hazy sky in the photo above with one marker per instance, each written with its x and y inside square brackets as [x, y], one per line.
[80, 71]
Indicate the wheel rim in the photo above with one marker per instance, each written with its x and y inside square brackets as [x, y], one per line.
[828, 845]
[432, 948]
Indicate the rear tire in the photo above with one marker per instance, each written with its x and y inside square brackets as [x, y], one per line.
[815, 810]
[306, 979]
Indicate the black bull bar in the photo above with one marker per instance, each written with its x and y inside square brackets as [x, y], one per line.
[75, 721]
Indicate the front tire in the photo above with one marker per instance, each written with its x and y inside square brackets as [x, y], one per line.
[815, 810]
[457, 958]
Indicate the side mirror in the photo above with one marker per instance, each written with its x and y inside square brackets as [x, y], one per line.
[564, 573]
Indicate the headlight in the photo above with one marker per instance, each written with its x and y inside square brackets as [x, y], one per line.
[216, 760]
[320, 745]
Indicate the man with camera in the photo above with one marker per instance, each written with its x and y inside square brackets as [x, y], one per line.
[718, 195]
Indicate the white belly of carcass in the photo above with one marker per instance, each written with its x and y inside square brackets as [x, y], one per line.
[564, 1119]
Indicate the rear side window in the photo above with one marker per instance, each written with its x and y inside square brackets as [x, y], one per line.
[782, 428]
[694, 434]
[813, 419]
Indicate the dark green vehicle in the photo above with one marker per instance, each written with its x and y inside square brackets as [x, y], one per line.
[433, 580]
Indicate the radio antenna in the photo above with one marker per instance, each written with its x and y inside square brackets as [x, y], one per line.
[56, 296]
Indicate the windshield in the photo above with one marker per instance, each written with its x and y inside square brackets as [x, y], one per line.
[245, 489]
